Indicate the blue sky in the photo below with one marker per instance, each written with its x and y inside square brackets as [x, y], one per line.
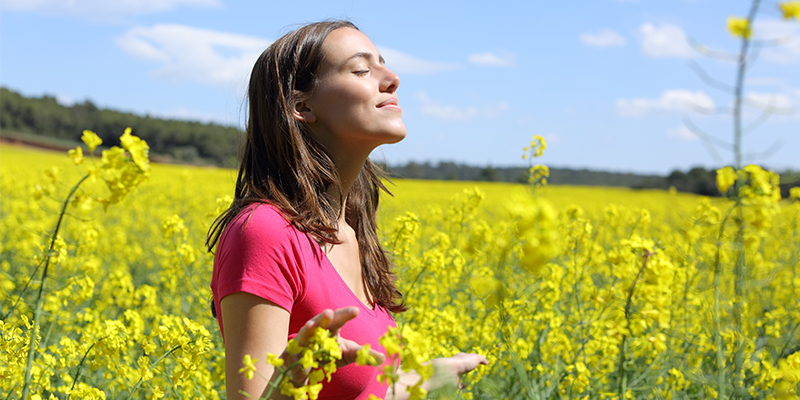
[608, 83]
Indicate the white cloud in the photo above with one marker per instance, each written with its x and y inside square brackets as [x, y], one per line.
[103, 9]
[492, 59]
[185, 114]
[187, 53]
[603, 38]
[671, 102]
[776, 100]
[448, 112]
[787, 33]
[64, 100]
[682, 132]
[403, 63]
[665, 40]
[764, 81]
[786, 97]
[552, 138]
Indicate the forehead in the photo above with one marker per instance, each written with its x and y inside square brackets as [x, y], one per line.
[343, 43]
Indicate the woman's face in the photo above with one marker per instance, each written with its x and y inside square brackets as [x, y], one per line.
[354, 104]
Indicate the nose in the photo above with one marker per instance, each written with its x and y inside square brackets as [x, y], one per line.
[390, 81]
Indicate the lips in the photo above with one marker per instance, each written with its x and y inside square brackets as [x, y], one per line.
[390, 103]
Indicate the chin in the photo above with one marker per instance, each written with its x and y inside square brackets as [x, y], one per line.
[399, 132]
[397, 136]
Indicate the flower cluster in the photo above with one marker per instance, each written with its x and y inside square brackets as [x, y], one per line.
[106, 328]
[319, 356]
[739, 27]
[538, 173]
[408, 351]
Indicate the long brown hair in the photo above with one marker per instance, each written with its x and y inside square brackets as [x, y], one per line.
[283, 165]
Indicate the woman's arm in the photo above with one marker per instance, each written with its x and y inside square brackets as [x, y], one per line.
[256, 326]
[446, 371]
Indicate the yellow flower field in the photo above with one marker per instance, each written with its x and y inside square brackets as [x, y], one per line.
[571, 292]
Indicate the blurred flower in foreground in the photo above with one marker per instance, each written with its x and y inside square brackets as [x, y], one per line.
[91, 139]
[725, 178]
[739, 27]
[790, 9]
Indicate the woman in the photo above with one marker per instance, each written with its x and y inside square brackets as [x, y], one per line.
[300, 238]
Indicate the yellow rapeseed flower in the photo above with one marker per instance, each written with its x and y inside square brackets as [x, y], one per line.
[739, 27]
[790, 9]
[157, 393]
[484, 285]
[538, 145]
[363, 357]
[538, 174]
[726, 177]
[307, 360]
[293, 347]
[138, 148]
[536, 148]
[391, 342]
[249, 366]
[76, 155]
[274, 360]
[91, 139]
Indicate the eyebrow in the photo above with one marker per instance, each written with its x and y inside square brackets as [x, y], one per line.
[366, 55]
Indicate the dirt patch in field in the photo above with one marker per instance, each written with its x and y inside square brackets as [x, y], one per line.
[33, 144]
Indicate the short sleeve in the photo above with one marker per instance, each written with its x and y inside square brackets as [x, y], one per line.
[259, 253]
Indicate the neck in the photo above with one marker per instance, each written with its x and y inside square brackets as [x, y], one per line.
[347, 167]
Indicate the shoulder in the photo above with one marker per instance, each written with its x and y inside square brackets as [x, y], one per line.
[261, 222]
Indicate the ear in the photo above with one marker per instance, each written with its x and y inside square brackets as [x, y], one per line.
[303, 113]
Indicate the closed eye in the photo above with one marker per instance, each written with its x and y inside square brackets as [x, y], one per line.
[361, 72]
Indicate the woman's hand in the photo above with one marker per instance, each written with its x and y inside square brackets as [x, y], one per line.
[255, 326]
[333, 321]
[446, 371]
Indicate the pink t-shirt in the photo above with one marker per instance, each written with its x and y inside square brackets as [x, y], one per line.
[261, 253]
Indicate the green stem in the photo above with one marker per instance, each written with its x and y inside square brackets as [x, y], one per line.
[623, 345]
[738, 306]
[141, 380]
[737, 106]
[80, 365]
[184, 266]
[24, 289]
[32, 347]
[717, 335]
[739, 267]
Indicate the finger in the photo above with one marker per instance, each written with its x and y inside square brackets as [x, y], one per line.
[339, 318]
[468, 362]
[350, 353]
[350, 357]
[471, 357]
[307, 331]
[380, 358]
[481, 359]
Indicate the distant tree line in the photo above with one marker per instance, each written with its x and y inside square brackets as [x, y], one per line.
[697, 180]
[182, 141]
[704, 182]
[207, 143]
[558, 176]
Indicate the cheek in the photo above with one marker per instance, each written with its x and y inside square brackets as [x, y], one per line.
[345, 101]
